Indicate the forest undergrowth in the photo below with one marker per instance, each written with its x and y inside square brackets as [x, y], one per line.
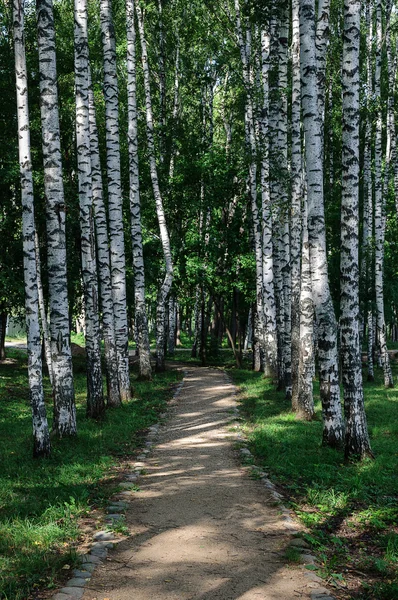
[349, 509]
[42, 501]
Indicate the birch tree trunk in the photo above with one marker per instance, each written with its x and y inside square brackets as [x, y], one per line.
[172, 326]
[284, 249]
[164, 234]
[141, 321]
[41, 434]
[268, 291]
[104, 269]
[251, 144]
[115, 202]
[367, 257]
[305, 398]
[326, 320]
[64, 395]
[356, 434]
[42, 312]
[296, 198]
[380, 210]
[95, 398]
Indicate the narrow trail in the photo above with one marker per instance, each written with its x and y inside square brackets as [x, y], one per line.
[200, 527]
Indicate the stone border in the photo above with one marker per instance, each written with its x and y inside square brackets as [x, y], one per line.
[103, 540]
[306, 558]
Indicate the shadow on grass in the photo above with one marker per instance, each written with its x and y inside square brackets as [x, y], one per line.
[347, 507]
[40, 500]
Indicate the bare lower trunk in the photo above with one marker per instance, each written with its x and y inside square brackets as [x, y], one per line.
[305, 400]
[42, 310]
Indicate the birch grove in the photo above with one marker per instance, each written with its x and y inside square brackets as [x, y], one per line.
[251, 155]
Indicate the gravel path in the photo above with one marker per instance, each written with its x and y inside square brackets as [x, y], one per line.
[200, 527]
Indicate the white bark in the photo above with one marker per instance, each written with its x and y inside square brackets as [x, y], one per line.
[95, 398]
[43, 315]
[115, 202]
[41, 435]
[326, 320]
[141, 321]
[164, 234]
[104, 269]
[304, 405]
[356, 433]
[380, 210]
[267, 268]
[64, 395]
[367, 251]
[296, 200]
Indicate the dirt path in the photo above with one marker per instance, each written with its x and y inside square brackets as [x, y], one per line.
[200, 528]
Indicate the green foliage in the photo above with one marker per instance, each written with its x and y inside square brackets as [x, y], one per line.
[41, 501]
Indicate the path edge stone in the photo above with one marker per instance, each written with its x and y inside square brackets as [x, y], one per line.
[102, 540]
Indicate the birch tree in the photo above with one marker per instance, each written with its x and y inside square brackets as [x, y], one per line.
[103, 257]
[164, 233]
[304, 404]
[141, 321]
[95, 399]
[115, 203]
[356, 434]
[326, 320]
[41, 434]
[64, 396]
[267, 270]
[296, 166]
[380, 208]
[367, 253]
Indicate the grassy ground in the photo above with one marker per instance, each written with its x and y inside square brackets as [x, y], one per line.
[41, 501]
[350, 509]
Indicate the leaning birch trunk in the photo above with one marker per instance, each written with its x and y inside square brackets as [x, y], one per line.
[64, 394]
[95, 397]
[380, 211]
[268, 291]
[356, 432]
[42, 309]
[141, 322]
[333, 430]
[41, 434]
[104, 269]
[164, 234]
[115, 202]
[305, 398]
[296, 168]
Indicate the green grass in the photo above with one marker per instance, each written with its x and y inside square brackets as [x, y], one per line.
[41, 500]
[350, 509]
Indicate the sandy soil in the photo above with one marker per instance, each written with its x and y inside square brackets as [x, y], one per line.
[200, 527]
